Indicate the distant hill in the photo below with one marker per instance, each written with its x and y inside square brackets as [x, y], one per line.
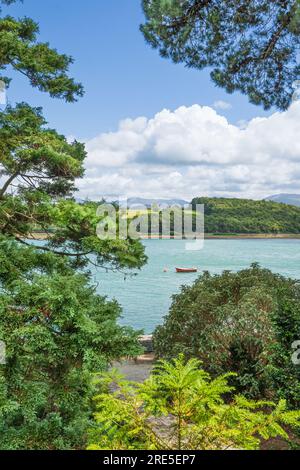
[138, 202]
[292, 199]
[226, 216]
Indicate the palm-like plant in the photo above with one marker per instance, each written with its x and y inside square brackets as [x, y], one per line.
[181, 407]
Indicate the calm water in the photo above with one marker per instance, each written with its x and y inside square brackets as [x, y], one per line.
[146, 298]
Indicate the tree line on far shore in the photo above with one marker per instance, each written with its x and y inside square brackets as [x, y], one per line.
[230, 215]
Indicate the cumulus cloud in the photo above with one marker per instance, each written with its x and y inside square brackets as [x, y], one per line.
[195, 151]
[222, 105]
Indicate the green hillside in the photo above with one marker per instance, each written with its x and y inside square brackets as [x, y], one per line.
[223, 215]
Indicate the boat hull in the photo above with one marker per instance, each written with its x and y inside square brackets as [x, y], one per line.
[186, 270]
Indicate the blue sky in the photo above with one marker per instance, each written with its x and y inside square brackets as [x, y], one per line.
[150, 127]
[123, 77]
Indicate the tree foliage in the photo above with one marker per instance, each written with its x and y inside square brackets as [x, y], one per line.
[244, 322]
[38, 168]
[57, 332]
[45, 68]
[249, 46]
[181, 407]
[55, 327]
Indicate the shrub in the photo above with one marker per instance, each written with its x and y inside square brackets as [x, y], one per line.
[244, 322]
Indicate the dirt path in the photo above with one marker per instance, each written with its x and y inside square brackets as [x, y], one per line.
[136, 370]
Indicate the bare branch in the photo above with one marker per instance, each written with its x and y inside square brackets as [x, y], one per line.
[7, 184]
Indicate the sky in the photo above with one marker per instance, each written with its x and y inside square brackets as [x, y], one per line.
[153, 128]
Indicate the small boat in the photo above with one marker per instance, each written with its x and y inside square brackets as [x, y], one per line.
[186, 270]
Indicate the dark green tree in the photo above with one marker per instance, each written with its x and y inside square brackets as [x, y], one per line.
[244, 322]
[56, 329]
[249, 45]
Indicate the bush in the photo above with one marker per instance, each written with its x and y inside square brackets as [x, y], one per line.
[181, 407]
[244, 322]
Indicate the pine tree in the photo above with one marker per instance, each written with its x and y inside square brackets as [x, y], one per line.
[250, 46]
[56, 329]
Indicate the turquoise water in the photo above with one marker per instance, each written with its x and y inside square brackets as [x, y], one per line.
[146, 298]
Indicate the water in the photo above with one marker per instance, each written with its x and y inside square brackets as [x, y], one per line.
[146, 298]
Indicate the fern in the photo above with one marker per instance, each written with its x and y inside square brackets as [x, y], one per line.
[181, 407]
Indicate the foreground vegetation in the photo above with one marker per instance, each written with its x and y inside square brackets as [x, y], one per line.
[244, 322]
[181, 407]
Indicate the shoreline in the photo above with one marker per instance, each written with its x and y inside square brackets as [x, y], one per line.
[240, 236]
[207, 236]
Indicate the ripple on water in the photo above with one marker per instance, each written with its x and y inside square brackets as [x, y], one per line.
[146, 297]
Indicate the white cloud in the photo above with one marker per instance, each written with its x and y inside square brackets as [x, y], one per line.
[222, 105]
[195, 151]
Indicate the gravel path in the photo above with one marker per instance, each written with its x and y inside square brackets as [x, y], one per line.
[136, 370]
